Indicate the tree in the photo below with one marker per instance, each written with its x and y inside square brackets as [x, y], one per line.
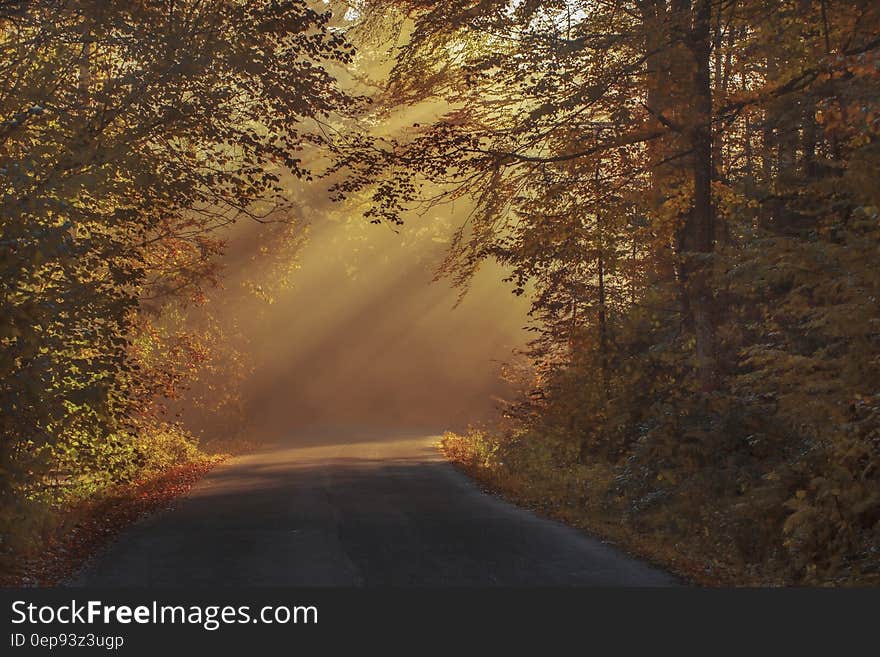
[129, 132]
[733, 141]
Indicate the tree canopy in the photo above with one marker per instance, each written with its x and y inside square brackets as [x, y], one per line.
[129, 133]
[688, 187]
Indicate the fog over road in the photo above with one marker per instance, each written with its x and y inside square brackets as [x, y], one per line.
[344, 508]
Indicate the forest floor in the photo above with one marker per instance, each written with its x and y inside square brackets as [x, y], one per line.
[685, 561]
[75, 532]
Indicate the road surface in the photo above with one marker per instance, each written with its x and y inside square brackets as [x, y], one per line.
[362, 511]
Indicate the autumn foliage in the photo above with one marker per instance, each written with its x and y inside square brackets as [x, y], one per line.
[131, 133]
[688, 191]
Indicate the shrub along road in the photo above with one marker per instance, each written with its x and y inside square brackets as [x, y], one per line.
[361, 511]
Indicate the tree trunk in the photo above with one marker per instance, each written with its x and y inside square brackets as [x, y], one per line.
[697, 237]
[660, 95]
[603, 317]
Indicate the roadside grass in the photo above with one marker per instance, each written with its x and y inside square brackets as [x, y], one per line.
[536, 478]
[52, 528]
[71, 532]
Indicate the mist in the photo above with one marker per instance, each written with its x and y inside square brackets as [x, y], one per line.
[360, 336]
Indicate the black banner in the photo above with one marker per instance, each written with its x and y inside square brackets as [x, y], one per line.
[235, 621]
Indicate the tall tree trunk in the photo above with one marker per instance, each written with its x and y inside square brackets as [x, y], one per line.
[656, 23]
[634, 270]
[697, 236]
[84, 75]
[603, 317]
[750, 157]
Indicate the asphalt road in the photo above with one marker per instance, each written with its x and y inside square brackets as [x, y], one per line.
[363, 511]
